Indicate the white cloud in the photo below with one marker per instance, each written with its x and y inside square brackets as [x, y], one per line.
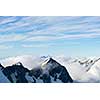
[3, 47]
[32, 46]
[41, 38]
[29, 61]
[79, 36]
[65, 36]
[11, 37]
[42, 28]
[36, 45]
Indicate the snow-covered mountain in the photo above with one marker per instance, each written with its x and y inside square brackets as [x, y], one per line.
[93, 74]
[82, 69]
[46, 69]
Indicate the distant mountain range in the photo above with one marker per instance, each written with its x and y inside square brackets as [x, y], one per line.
[46, 69]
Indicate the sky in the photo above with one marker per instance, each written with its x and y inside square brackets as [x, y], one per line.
[49, 35]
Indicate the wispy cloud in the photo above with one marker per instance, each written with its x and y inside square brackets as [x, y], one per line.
[48, 28]
[34, 46]
[80, 36]
[5, 47]
[38, 45]
[11, 37]
[38, 31]
[72, 36]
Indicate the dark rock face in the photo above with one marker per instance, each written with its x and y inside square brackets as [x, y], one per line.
[61, 74]
[16, 73]
[46, 78]
[36, 72]
[51, 72]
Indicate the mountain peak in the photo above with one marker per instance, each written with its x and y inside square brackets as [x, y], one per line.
[18, 64]
[51, 60]
[49, 63]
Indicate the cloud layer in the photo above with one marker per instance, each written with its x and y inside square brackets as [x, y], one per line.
[48, 28]
[43, 31]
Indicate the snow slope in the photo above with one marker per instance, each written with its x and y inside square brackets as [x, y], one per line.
[82, 69]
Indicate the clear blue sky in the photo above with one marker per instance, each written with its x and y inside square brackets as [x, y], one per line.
[70, 36]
